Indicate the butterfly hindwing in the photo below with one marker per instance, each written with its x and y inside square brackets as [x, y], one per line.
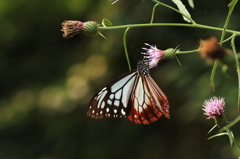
[148, 102]
[112, 100]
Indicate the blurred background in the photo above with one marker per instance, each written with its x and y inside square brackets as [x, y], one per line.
[47, 82]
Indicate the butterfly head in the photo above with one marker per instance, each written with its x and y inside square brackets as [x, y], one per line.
[143, 66]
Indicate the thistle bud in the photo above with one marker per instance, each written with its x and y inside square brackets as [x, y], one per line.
[169, 54]
[90, 28]
[71, 28]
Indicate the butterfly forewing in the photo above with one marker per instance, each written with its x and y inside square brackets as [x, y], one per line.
[148, 102]
[112, 100]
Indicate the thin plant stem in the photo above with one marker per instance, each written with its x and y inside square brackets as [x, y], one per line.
[228, 39]
[213, 74]
[231, 8]
[125, 48]
[165, 5]
[237, 66]
[236, 120]
[187, 52]
[153, 12]
[168, 24]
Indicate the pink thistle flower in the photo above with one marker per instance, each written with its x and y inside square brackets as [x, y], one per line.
[153, 54]
[214, 107]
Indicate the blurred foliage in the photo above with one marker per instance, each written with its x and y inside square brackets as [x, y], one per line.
[47, 82]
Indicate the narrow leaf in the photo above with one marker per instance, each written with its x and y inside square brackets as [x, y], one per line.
[232, 3]
[182, 9]
[190, 2]
[230, 135]
[106, 22]
[212, 129]
[220, 134]
[114, 1]
[102, 35]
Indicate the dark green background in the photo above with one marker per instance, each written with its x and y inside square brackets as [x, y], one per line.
[47, 82]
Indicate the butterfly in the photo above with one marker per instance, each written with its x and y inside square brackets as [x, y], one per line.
[134, 95]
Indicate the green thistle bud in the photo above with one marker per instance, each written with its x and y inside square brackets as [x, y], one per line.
[90, 28]
[221, 121]
[169, 54]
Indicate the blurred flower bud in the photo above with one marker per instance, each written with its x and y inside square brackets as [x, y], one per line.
[211, 50]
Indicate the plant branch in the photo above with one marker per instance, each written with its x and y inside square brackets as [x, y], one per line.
[237, 66]
[125, 48]
[153, 12]
[168, 24]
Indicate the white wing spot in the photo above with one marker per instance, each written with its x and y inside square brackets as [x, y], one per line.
[123, 112]
[100, 98]
[140, 109]
[111, 96]
[107, 110]
[116, 103]
[115, 110]
[103, 105]
[116, 86]
[139, 92]
[101, 112]
[109, 102]
[93, 111]
[118, 94]
[127, 91]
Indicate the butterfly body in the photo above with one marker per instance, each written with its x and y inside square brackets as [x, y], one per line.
[134, 95]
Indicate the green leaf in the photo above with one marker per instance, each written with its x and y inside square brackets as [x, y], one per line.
[106, 22]
[190, 2]
[220, 134]
[212, 129]
[102, 35]
[230, 135]
[182, 9]
[232, 3]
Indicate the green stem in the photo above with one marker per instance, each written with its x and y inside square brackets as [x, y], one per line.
[168, 24]
[213, 74]
[231, 7]
[153, 12]
[187, 52]
[228, 39]
[165, 5]
[125, 48]
[237, 66]
[231, 124]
